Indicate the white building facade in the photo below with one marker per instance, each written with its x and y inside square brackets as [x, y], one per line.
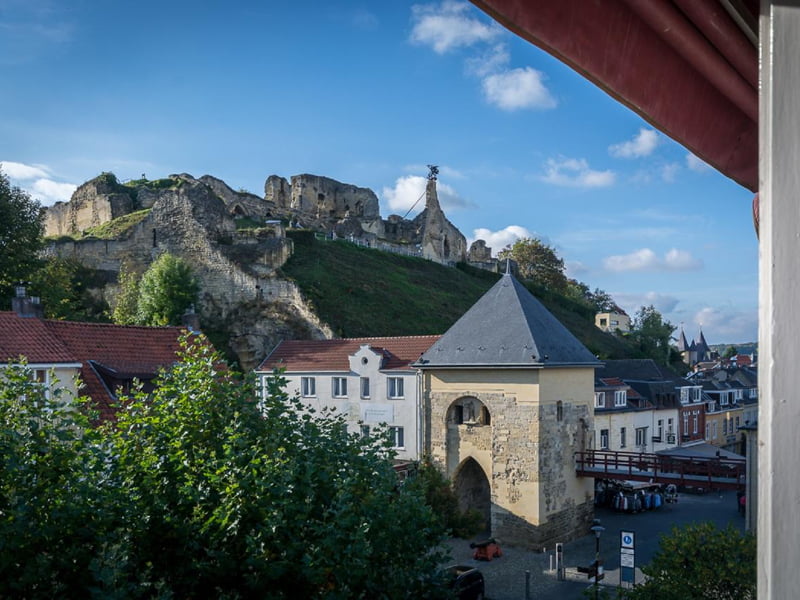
[368, 380]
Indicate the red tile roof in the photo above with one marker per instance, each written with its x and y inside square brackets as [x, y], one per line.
[332, 355]
[30, 337]
[106, 352]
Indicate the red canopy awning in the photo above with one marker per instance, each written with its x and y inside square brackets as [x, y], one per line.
[688, 67]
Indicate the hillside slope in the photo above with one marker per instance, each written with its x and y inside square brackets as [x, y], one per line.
[364, 292]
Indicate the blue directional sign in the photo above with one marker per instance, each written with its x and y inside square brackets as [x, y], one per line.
[627, 559]
[626, 539]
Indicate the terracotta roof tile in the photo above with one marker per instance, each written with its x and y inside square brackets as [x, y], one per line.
[30, 337]
[121, 350]
[332, 355]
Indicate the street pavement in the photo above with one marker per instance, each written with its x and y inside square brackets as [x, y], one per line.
[506, 576]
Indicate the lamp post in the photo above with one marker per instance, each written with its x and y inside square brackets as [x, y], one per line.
[597, 529]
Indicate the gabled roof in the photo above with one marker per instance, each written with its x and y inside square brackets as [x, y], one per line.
[107, 354]
[333, 355]
[30, 337]
[507, 327]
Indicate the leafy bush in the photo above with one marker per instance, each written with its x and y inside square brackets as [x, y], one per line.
[199, 491]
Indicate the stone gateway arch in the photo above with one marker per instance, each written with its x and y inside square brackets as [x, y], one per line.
[507, 400]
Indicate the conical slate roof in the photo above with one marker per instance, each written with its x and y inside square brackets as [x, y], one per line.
[683, 345]
[507, 327]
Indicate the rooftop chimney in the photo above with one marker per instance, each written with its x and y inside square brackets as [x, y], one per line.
[190, 320]
[24, 305]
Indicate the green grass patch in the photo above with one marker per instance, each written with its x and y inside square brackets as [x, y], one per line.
[155, 184]
[366, 292]
[117, 227]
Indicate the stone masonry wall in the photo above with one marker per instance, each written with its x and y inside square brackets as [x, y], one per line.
[527, 455]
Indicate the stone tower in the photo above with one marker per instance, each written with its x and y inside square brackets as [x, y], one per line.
[441, 240]
[508, 400]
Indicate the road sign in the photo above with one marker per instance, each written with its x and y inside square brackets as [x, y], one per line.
[627, 560]
[626, 539]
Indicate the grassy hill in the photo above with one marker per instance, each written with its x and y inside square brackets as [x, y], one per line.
[365, 292]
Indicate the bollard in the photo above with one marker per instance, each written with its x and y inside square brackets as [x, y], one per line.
[527, 585]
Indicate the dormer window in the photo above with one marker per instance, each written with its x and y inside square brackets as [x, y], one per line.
[599, 399]
[620, 398]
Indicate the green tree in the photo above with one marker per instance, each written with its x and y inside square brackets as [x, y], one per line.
[64, 286]
[127, 301]
[53, 514]
[652, 334]
[730, 352]
[537, 261]
[701, 561]
[199, 491]
[21, 229]
[166, 290]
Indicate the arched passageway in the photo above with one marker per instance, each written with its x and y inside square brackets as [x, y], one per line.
[472, 489]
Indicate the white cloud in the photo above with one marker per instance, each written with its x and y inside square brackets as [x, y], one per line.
[490, 62]
[410, 189]
[631, 303]
[38, 182]
[645, 259]
[49, 192]
[642, 144]
[575, 172]
[638, 260]
[669, 172]
[517, 89]
[696, 164]
[727, 325]
[22, 171]
[498, 240]
[448, 25]
[681, 260]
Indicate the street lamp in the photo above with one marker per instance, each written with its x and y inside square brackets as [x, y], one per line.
[597, 530]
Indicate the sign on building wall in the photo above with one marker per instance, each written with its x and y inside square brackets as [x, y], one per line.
[377, 413]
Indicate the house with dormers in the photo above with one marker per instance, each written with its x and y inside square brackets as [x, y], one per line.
[636, 406]
[96, 360]
[369, 380]
[732, 403]
[508, 400]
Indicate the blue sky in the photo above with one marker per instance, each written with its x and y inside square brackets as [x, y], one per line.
[369, 93]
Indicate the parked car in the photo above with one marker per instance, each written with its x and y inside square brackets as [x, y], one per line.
[466, 582]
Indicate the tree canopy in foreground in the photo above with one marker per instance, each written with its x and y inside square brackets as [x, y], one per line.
[199, 491]
[701, 561]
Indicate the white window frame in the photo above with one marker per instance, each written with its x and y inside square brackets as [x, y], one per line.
[695, 394]
[364, 387]
[684, 395]
[641, 437]
[339, 387]
[604, 439]
[660, 429]
[397, 437]
[723, 399]
[695, 421]
[599, 399]
[393, 386]
[620, 398]
[308, 387]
